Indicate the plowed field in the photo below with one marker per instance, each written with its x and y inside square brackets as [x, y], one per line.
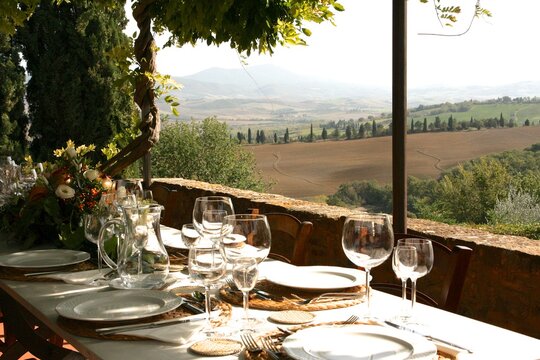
[308, 170]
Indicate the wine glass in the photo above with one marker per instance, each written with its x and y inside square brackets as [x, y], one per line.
[206, 266]
[208, 213]
[367, 240]
[245, 273]
[92, 223]
[189, 235]
[425, 257]
[404, 262]
[245, 235]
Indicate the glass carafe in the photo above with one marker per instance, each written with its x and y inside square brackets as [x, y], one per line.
[141, 258]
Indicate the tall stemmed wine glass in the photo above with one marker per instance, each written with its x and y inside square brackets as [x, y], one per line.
[92, 224]
[245, 273]
[367, 240]
[208, 214]
[245, 235]
[206, 266]
[425, 258]
[404, 262]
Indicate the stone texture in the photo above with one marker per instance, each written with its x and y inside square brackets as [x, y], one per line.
[502, 286]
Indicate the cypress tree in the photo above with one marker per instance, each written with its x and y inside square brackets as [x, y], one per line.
[72, 92]
[324, 134]
[286, 137]
[13, 121]
[249, 139]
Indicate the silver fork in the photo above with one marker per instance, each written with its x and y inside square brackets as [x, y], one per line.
[351, 320]
[270, 347]
[250, 344]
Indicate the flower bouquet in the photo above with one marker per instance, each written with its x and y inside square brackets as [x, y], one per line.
[51, 211]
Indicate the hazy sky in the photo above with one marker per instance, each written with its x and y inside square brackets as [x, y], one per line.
[498, 50]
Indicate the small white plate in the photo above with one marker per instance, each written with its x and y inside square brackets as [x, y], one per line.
[172, 237]
[118, 305]
[358, 342]
[317, 278]
[42, 259]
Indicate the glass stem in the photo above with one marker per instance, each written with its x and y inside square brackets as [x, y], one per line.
[207, 305]
[246, 304]
[413, 294]
[368, 293]
[139, 263]
[98, 257]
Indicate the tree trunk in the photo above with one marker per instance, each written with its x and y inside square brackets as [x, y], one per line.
[144, 96]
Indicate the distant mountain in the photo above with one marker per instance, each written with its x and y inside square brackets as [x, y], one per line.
[271, 93]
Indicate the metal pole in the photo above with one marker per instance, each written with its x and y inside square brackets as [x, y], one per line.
[399, 114]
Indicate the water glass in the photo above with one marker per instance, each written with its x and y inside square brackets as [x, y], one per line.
[245, 273]
[206, 266]
[189, 235]
[404, 262]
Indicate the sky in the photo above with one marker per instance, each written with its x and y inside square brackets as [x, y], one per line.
[499, 50]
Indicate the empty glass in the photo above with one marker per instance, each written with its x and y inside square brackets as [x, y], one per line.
[208, 214]
[425, 258]
[206, 266]
[404, 262]
[245, 235]
[189, 235]
[367, 240]
[245, 274]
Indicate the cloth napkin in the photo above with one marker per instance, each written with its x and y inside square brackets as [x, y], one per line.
[179, 334]
[87, 277]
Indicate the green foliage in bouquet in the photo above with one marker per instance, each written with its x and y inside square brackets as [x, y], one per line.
[51, 211]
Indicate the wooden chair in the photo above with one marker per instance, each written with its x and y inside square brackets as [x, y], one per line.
[169, 198]
[442, 287]
[290, 237]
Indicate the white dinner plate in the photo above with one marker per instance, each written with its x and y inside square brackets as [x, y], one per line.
[118, 305]
[358, 342]
[316, 278]
[40, 259]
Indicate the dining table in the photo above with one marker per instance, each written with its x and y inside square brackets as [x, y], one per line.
[485, 341]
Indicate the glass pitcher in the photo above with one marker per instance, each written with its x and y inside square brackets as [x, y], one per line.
[141, 258]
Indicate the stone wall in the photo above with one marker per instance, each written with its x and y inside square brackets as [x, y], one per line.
[502, 286]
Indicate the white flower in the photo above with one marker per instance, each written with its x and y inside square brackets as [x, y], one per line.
[91, 174]
[71, 152]
[64, 192]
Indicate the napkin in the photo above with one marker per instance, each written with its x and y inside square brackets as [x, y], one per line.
[178, 334]
[87, 277]
[454, 352]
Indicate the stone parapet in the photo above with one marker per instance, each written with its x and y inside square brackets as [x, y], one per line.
[502, 286]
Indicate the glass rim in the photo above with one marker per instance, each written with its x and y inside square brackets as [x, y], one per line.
[213, 198]
[244, 217]
[412, 240]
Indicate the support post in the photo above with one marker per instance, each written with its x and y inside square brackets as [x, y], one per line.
[399, 114]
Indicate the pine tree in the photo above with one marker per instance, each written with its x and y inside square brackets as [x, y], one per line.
[72, 93]
[324, 134]
[348, 132]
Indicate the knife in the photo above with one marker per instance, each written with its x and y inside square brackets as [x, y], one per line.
[429, 337]
[150, 325]
[194, 309]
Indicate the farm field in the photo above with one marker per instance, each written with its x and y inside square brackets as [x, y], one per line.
[311, 170]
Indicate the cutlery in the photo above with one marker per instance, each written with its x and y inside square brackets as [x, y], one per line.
[150, 325]
[326, 296]
[250, 344]
[270, 347]
[429, 337]
[187, 304]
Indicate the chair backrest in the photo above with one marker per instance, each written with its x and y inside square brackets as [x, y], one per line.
[443, 286]
[169, 199]
[290, 237]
